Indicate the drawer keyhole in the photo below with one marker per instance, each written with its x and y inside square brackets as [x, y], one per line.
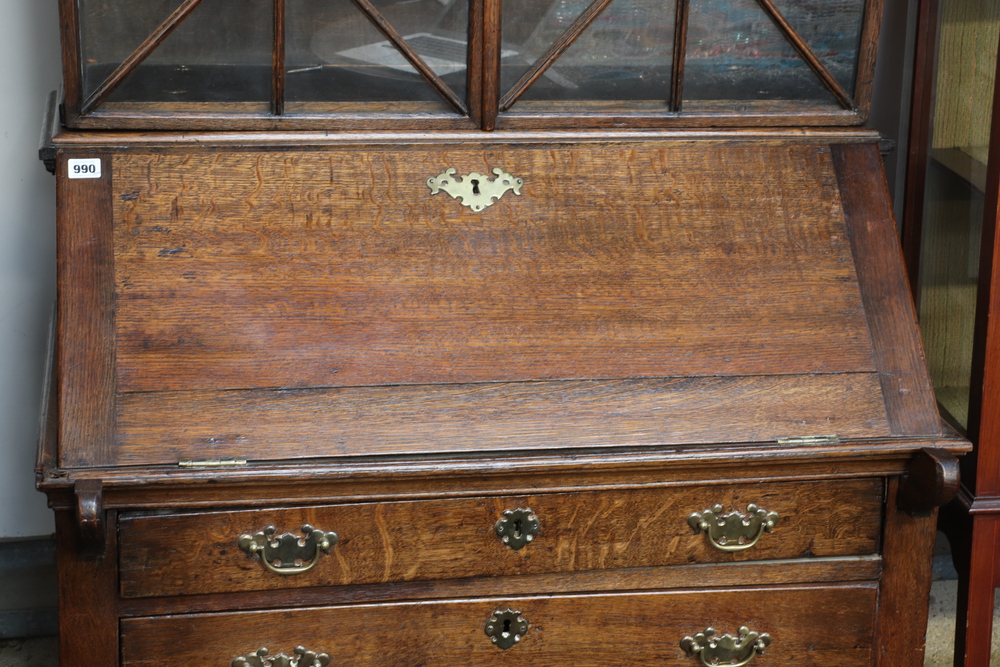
[475, 186]
[505, 628]
[517, 528]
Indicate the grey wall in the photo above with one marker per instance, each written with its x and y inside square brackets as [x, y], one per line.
[29, 51]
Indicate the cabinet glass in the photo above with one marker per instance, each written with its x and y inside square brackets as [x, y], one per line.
[954, 196]
[307, 58]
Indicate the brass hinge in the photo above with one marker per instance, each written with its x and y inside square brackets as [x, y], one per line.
[227, 462]
[810, 440]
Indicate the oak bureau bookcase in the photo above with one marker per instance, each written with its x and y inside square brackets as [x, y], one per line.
[481, 332]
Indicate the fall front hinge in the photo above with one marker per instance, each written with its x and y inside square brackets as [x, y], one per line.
[227, 462]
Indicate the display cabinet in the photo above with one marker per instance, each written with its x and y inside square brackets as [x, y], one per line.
[431, 333]
[950, 234]
[462, 64]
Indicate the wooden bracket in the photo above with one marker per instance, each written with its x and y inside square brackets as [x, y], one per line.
[930, 481]
[90, 515]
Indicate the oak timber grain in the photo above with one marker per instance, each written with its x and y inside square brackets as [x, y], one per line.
[412, 541]
[720, 575]
[88, 600]
[491, 417]
[339, 269]
[906, 385]
[825, 626]
[907, 551]
[85, 324]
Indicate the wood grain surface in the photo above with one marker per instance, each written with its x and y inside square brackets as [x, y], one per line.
[295, 424]
[821, 626]
[721, 575]
[892, 317]
[244, 270]
[85, 310]
[412, 541]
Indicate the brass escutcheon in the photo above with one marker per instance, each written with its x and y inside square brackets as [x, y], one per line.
[475, 190]
[303, 658]
[506, 627]
[726, 650]
[288, 553]
[733, 531]
[517, 528]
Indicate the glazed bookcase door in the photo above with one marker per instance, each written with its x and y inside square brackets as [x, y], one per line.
[272, 58]
[452, 64]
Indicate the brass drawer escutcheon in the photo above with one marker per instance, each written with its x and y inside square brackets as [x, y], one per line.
[475, 190]
[292, 553]
[506, 627]
[726, 650]
[517, 527]
[303, 658]
[734, 531]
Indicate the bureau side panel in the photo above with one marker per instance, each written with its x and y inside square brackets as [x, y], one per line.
[85, 352]
[888, 301]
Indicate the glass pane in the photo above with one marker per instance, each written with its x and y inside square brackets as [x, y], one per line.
[110, 31]
[954, 195]
[222, 52]
[335, 54]
[735, 52]
[832, 29]
[626, 53]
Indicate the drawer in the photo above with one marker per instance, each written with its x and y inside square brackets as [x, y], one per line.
[185, 554]
[820, 626]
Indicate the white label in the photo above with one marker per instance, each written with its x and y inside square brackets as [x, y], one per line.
[89, 168]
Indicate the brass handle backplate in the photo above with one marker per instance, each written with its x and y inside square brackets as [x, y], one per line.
[726, 650]
[506, 627]
[475, 190]
[516, 528]
[302, 658]
[734, 531]
[288, 553]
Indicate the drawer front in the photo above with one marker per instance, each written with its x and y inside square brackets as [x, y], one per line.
[443, 539]
[820, 626]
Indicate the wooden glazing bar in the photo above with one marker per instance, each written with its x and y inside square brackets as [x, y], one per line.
[140, 54]
[680, 53]
[474, 62]
[870, 30]
[414, 59]
[557, 49]
[278, 60]
[490, 91]
[69, 18]
[800, 46]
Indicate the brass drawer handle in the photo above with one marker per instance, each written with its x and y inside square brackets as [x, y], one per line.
[726, 650]
[516, 528]
[288, 550]
[475, 190]
[506, 627]
[303, 658]
[733, 531]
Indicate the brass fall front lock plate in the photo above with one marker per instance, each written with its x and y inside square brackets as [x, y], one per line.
[475, 190]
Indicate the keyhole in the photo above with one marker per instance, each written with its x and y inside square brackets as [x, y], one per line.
[517, 528]
[475, 186]
[506, 626]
